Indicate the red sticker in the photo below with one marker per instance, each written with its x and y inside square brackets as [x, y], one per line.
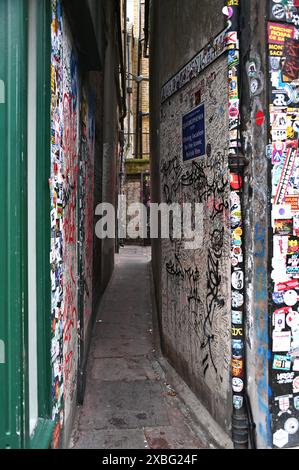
[259, 118]
[235, 181]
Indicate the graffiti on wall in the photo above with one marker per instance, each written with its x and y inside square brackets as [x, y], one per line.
[86, 206]
[195, 283]
[72, 167]
[196, 66]
[283, 40]
[63, 185]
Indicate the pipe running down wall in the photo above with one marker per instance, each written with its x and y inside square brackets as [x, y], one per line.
[241, 404]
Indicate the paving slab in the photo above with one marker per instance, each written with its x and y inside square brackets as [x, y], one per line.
[124, 405]
[111, 439]
[122, 347]
[123, 330]
[126, 369]
[128, 403]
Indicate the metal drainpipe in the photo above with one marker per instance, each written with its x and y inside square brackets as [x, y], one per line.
[137, 146]
[241, 405]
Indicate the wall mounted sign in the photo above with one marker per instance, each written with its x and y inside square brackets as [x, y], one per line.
[193, 125]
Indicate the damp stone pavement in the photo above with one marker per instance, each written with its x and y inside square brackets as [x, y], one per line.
[130, 402]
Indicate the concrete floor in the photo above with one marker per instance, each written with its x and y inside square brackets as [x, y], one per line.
[129, 403]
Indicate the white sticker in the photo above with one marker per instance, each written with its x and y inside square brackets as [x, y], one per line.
[295, 338]
[237, 299]
[238, 280]
[53, 218]
[281, 341]
[291, 425]
[296, 365]
[280, 438]
[293, 319]
[238, 385]
[56, 369]
[296, 385]
[279, 321]
[290, 298]
[281, 211]
[54, 349]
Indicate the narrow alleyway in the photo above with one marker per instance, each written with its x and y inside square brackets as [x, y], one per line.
[128, 404]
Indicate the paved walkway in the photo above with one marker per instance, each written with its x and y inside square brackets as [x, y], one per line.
[128, 404]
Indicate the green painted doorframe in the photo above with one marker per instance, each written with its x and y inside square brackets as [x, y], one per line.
[13, 213]
[43, 433]
[14, 394]
[43, 236]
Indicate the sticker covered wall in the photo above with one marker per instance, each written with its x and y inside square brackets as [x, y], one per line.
[71, 189]
[283, 51]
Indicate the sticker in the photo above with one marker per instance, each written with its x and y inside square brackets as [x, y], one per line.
[236, 181]
[254, 86]
[259, 118]
[235, 218]
[237, 332]
[280, 438]
[278, 298]
[293, 245]
[285, 378]
[237, 348]
[237, 317]
[296, 385]
[292, 265]
[291, 426]
[282, 362]
[290, 298]
[237, 402]
[281, 341]
[296, 225]
[238, 232]
[296, 365]
[279, 321]
[238, 280]
[290, 67]
[284, 404]
[237, 299]
[285, 176]
[233, 112]
[278, 12]
[283, 311]
[296, 403]
[279, 134]
[295, 341]
[283, 286]
[238, 385]
[283, 227]
[228, 11]
[292, 319]
[279, 120]
[237, 368]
